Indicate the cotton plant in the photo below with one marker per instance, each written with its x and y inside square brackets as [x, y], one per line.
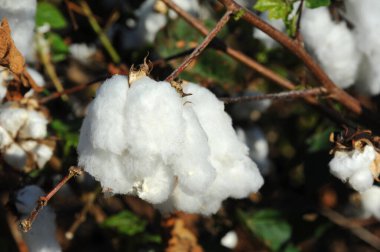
[23, 135]
[41, 238]
[173, 147]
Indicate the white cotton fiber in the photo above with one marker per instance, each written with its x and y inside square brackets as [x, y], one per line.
[180, 153]
[41, 238]
[333, 44]
[20, 15]
[43, 154]
[229, 240]
[15, 156]
[361, 180]
[82, 52]
[371, 202]
[5, 138]
[364, 15]
[190, 6]
[34, 127]
[12, 119]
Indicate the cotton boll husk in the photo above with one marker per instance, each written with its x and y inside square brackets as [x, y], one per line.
[193, 168]
[333, 44]
[20, 15]
[158, 187]
[12, 119]
[345, 164]
[41, 238]
[5, 138]
[106, 115]
[35, 126]
[15, 156]
[362, 179]
[153, 120]
[371, 202]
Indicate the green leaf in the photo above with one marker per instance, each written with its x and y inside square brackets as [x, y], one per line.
[58, 47]
[277, 9]
[317, 3]
[269, 226]
[319, 141]
[48, 13]
[68, 135]
[125, 223]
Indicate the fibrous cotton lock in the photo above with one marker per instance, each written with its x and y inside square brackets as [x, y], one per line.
[41, 238]
[371, 202]
[178, 153]
[333, 44]
[354, 166]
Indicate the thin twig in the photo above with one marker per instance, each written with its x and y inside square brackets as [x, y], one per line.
[298, 35]
[336, 93]
[102, 36]
[222, 22]
[277, 96]
[26, 224]
[356, 229]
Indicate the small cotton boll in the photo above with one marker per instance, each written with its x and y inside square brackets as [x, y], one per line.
[333, 45]
[153, 119]
[371, 202]
[190, 6]
[41, 238]
[12, 119]
[5, 138]
[361, 180]
[35, 126]
[20, 15]
[179, 200]
[229, 240]
[43, 154]
[193, 168]
[82, 52]
[15, 156]
[345, 164]
[106, 115]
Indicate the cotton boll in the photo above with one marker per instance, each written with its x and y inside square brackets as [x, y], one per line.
[82, 52]
[36, 76]
[179, 200]
[229, 240]
[333, 45]
[106, 114]
[371, 202]
[193, 168]
[15, 156]
[153, 119]
[190, 6]
[20, 15]
[156, 188]
[12, 119]
[41, 238]
[345, 164]
[5, 138]
[43, 154]
[34, 127]
[362, 179]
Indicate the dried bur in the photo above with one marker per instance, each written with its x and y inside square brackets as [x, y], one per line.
[12, 59]
[136, 73]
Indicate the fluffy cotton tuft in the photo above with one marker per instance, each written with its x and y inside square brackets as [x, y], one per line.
[41, 238]
[371, 202]
[177, 153]
[354, 166]
[333, 44]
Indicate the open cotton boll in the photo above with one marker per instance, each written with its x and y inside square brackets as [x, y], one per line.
[35, 126]
[5, 138]
[193, 168]
[229, 240]
[15, 156]
[362, 179]
[107, 115]
[12, 119]
[345, 164]
[371, 202]
[41, 238]
[333, 44]
[20, 15]
[40, 152]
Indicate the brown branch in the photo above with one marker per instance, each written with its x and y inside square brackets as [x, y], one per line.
[336, 93]
[222, 22]
[277, 96]
[298, 35]
[26, 224]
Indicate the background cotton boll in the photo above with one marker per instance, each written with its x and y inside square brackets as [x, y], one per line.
[82, 52]
[333, 44]
[153, 119]
[41, 238]
[43, 154]
[12, 119]
[371, 202]
[5, 138]
[35, 126]
[20, 15]
[15, 156]
[106, 115]
[229, 240]
[362, 179]
[193, 168]
[156, 188]
[190, 6]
